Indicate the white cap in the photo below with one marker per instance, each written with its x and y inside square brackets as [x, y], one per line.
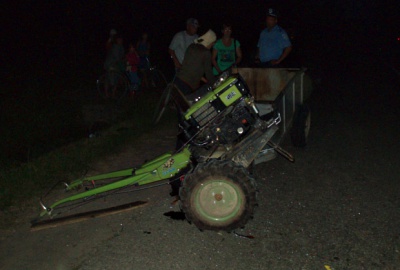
[207, 38]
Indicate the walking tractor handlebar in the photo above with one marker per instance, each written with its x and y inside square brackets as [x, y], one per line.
[162, 168]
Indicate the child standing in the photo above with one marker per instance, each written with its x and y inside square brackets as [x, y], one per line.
[132, 59]
[143, 49]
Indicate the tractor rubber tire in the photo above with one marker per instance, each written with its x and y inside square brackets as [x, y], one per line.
[218, 195]
[301, 126]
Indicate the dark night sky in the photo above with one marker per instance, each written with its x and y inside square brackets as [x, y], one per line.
[63, 35]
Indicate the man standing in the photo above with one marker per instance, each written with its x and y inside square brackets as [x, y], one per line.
[274, 44]
[115, 59]
[196, 66]
[181, 42]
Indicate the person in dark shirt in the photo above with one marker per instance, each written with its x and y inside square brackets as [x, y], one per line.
[115, 59]
[111, 39]
[196, 66]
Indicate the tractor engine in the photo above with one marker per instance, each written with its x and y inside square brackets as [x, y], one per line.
[222, 116]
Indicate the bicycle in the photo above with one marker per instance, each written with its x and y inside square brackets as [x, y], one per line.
[153, 78]
[163, 102]
[116, 85]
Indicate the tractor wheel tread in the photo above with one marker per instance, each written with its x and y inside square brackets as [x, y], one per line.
[236, 174]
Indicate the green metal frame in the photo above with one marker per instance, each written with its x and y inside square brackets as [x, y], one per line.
[160, 168]
[227, 92]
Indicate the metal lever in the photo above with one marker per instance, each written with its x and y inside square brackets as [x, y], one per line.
[276, 121]
[281, 151]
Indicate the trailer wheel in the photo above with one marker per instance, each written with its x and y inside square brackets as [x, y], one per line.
[218, 195]
[301, 126]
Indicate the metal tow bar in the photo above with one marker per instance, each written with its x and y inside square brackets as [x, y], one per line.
[281, 151]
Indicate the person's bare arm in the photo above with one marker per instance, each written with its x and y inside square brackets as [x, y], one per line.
[214, 60]
[285, 53]
[238, 55]
[174, 58]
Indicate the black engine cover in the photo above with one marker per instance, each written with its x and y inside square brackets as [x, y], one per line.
[235, 125]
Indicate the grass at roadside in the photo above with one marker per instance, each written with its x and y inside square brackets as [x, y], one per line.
[31, 179]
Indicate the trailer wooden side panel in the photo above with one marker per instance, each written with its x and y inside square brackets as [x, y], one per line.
[266, 83]
[282, 89]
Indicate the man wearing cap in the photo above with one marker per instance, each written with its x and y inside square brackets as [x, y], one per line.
[181, 42]
[196, 66]
[274, 44]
